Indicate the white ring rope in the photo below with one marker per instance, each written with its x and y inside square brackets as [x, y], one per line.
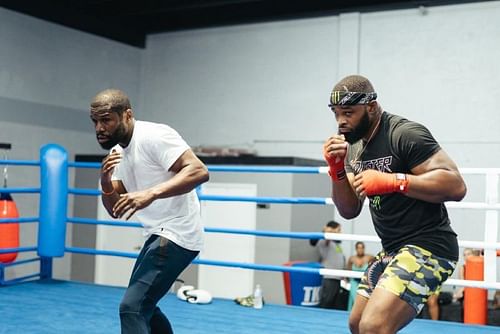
[372, 238]
[472, 205]
[339, 273]
[465, 171]
[490, 205]
[449, 205]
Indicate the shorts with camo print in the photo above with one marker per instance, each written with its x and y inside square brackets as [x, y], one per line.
[412, 273]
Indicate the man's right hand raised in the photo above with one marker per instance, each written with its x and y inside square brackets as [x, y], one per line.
[107, 166]
[334, 153]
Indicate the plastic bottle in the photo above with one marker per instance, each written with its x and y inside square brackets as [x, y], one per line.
[257, 297]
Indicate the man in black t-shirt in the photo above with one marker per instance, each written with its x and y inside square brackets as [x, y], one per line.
[407, 177]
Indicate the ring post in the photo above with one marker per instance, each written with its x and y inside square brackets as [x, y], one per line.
[53, 205]
[2, 274]
[475, 299]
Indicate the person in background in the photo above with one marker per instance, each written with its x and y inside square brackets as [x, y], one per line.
[496, 300]
[358, 262]
[459, 293]
[331, 257]
[433, 306]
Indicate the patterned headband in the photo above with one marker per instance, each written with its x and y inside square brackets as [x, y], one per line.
[346, 98]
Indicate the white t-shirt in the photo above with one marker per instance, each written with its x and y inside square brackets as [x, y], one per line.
[153, 149]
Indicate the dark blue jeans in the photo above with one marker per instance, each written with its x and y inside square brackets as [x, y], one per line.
[159, 263]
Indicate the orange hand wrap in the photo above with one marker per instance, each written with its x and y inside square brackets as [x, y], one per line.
[336, 164]
[378, 183]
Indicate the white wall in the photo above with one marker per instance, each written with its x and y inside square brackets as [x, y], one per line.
[234, 86]
[46, 63]
[440, 69]
[48, 75]
[243, 85]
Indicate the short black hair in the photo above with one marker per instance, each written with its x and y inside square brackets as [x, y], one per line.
[359, 243]
[332, 224]
[354, 83]
[111, 99]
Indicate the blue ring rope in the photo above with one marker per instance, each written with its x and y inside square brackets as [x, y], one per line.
[84, 192]
[262, 233]
[20, 279]
[84, 164]
[256, 199]
[272, 234]
[20, 162]
[88, 221]
[265, 267]
[223, 198]
[19, 220]
[20, 262]
[232, 168]
[20, 190]
[17, 250]
[90, 251]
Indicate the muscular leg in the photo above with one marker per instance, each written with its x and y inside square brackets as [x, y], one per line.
[385, 313]
[356, 313]
[407, 280]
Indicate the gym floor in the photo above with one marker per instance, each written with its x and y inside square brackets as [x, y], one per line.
[68, 307]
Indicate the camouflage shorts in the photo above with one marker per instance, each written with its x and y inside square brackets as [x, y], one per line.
[412, 273]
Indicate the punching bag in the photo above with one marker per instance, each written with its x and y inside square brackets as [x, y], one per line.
[9, 233]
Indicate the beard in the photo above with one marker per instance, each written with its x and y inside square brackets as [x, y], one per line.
[360, 131]
[115, 138]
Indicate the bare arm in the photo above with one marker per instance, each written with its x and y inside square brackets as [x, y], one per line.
[461, 273]
[347, 202]
[109, 200]
[349, 263]
[111, 190]
[189, 173]
[436, 180]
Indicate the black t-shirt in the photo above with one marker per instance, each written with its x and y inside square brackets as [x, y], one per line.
[397, 147]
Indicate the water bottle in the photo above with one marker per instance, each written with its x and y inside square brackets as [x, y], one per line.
[257, 297]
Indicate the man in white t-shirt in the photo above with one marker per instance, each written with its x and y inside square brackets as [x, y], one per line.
[150, 172]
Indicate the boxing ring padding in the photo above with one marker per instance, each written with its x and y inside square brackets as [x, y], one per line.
[53, 306]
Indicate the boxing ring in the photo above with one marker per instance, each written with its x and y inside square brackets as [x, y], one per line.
[36, 303]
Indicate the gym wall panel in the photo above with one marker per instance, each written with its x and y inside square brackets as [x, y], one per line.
[48, 75]
[46, 63]
[245, 86]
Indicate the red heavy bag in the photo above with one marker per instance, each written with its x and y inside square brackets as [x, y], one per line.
[9, 233]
